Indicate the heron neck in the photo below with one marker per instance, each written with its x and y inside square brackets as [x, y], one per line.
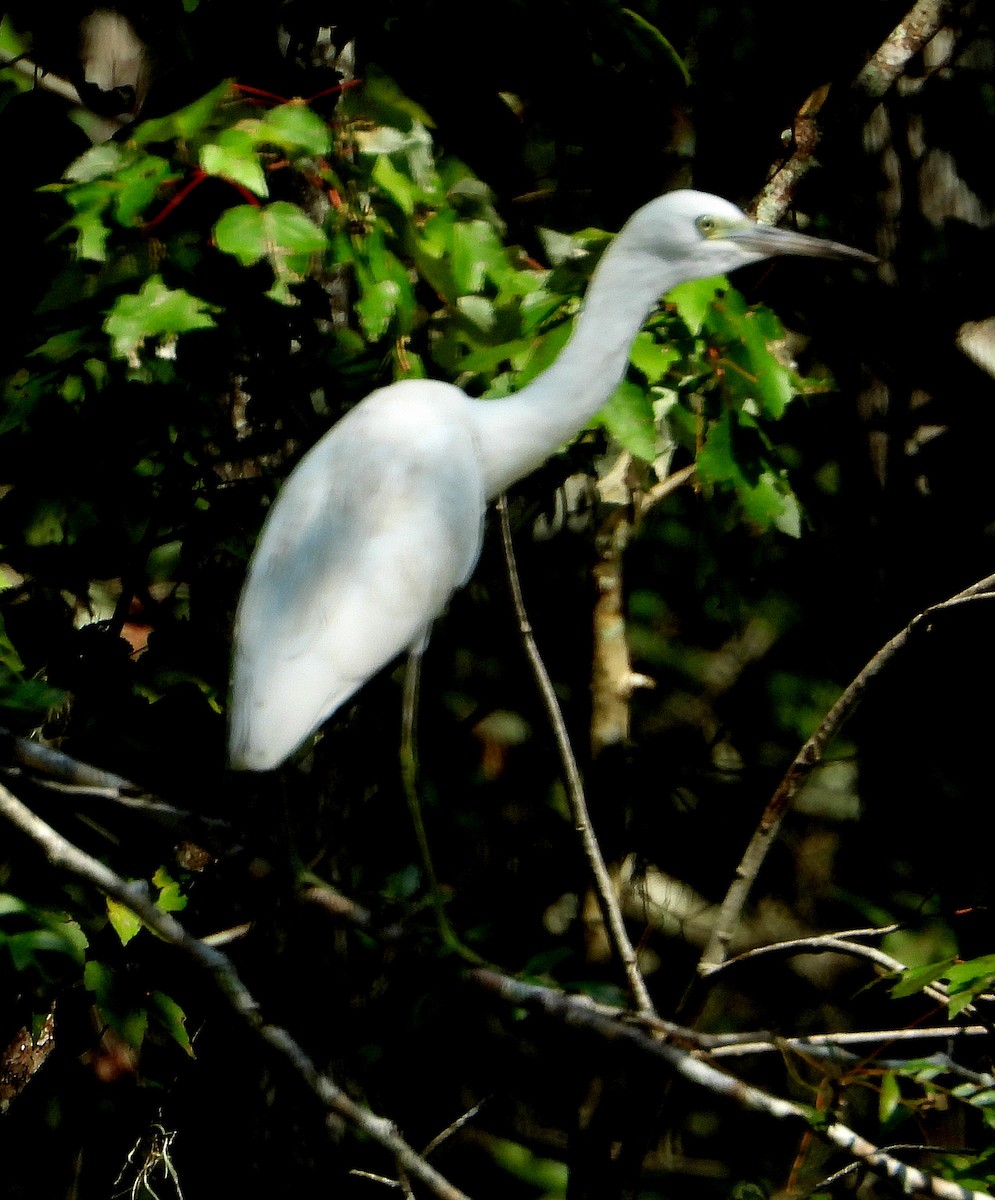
[519, 432]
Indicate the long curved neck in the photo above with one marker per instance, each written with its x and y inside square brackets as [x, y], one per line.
[518, 433]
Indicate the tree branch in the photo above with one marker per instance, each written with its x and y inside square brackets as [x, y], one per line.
[607, 900]
[807, 758]
[691, 1066]
[65, 856]
[879, 74]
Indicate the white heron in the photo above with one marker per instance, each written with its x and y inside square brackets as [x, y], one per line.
[381, 521]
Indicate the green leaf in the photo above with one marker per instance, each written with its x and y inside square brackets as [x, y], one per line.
[184, 124]
[97, 163]
[401, 188]
[29, 695]
[628, 416]
[652, 358]
[124, 922]
[916, 978]
[693, 299]
[659, 42]
[376, 306]
[889, 1097]
[476, 251]
[967, 980]
[170, 898]
[173, 1019]
[280, 232]
[155, 312]
[234, 157]
[746, 338]
[137, 185]
[292, 127]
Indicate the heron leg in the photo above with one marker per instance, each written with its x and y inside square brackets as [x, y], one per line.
[409, 779]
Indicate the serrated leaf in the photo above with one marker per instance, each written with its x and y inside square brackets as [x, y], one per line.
[156, 311]
[475, 249]
[291, 230]
[137, 185]
[479, 311]
[746, 338]
[280, 231]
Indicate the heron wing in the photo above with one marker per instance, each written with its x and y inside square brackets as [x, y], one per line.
[372, 532]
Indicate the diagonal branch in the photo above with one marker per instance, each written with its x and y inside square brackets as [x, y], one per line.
[808, 757]
[607, 900]
[65, 856]
[921, 23]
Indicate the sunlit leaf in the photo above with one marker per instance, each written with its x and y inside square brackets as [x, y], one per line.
[628, 416]
[694, 298]
[234, 156]
[156, 311]
[171, 897]
[125, 923]
[185, 123]
[916, 978]
[173, 1019]
[292, 127]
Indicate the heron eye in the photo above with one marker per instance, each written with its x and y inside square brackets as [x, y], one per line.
[706, 226]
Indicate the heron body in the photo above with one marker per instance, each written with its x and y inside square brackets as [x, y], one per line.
[382, 519]
[113, 72]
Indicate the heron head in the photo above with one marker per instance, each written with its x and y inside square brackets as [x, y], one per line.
[712, 236]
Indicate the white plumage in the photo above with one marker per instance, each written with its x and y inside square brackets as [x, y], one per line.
[381, 521]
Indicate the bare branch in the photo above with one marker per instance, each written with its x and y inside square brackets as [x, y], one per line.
[607, 900]
[831, 1045]
[59, 772]
[693, 1067]
[922, 22]
[836, 943]
[807, 758]
[910, 35]
[62, 854]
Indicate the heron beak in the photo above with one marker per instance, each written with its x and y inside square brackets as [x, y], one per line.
[767, 240]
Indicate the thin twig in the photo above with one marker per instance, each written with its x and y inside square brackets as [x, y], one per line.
[806, 759]
[830, 943]
[607, 900]
[692, 1067]
[905, 1147]
[831, 1043]
[65, 856]
[59, 772]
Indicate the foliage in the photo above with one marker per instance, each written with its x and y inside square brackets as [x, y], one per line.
[220, 285]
